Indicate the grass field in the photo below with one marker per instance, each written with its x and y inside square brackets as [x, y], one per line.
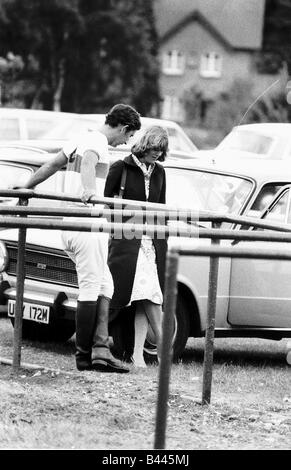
[60, 408]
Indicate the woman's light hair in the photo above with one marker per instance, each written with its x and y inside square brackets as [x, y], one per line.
[154, 137]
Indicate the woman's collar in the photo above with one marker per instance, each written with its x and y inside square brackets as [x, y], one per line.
[139, 163]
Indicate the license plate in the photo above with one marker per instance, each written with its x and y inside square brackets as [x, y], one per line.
[34, 312]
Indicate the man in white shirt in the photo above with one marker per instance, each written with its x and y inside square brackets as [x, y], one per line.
[87, 164]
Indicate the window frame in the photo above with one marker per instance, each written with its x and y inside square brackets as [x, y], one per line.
[210, 65]
[173, 62]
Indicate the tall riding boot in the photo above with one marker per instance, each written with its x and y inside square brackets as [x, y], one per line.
[102, 359]
[85, 326]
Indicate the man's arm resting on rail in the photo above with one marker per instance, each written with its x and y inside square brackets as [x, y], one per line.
[46, 170]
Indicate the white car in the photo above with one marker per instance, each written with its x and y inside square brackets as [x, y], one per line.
[50, 130]
[262, 141]
[253, 298]
[179, 143]
[34, 124]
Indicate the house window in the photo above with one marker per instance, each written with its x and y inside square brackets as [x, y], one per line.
[210, 65]
[173, 63]
[172, 108]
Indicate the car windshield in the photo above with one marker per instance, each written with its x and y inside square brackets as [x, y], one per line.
[246, 141]
[201, 190]
[20, 151]
[15, 175]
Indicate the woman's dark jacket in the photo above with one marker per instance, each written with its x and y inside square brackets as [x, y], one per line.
[123, 253]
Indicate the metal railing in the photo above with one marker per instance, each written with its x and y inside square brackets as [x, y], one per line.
[26, 217]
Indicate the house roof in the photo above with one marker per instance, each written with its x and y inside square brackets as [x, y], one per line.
[237, 23]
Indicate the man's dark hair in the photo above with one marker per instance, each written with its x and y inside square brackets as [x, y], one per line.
[125, 115]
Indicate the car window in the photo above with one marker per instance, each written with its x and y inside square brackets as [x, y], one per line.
[263, 199]
[247, 141]
[201, 190]
[278, 213]
[177, 141]
[14, 175]
[9, 128]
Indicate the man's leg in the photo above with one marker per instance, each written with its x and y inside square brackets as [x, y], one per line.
[89, 251]
[102, 358]
[85, 326]
[85, 253]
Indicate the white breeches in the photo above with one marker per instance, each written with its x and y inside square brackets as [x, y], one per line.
[89, 251]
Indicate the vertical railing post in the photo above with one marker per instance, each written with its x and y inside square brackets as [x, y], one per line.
[170, 298]
[20, 277]
[210, 324]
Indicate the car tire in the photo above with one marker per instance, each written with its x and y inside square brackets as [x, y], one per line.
[58, 331]
[122, 333]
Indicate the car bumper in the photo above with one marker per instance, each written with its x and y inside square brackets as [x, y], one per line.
[61, 299]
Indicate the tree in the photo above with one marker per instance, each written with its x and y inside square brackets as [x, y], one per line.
[121, 62]
[83, 55]
[276, 37]
[10, 68]
[41, 33]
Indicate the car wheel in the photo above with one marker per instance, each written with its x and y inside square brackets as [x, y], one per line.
[59, 330]
[123, 335]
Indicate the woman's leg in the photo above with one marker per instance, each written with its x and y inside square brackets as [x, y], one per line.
[140, 333]
[154, 316]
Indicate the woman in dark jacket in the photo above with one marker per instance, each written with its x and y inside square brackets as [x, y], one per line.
[137, 265]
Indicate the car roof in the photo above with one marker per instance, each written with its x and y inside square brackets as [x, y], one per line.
[19, 147]
[36, 112]
[144, 120]
[27, 158]
[269, 128]
[267, 170]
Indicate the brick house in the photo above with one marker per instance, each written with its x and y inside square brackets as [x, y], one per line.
[207, 44]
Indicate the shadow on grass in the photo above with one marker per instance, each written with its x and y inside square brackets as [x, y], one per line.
[231, 351]
[7, 337]
[64, 348]
[252, 352]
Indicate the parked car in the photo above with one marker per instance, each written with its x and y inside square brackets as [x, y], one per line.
[53, 129]
[251, 300]
[264, 141]
[179, 142]
[35, 124]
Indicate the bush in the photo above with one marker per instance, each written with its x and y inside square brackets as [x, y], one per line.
[237, 106]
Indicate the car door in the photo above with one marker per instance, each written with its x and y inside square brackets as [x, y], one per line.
[260, 290]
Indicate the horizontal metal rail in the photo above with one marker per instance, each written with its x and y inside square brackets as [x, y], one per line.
[134, 229]
[237, 252]
[115, 204]
[96, 212]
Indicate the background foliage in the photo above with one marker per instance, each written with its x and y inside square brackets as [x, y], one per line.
[240, 104]
[80, 55]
